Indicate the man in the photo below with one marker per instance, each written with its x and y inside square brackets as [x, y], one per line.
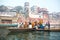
[48, 24]
[30, 25]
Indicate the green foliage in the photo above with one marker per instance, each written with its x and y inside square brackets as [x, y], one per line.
[3, 8]
[18, 8]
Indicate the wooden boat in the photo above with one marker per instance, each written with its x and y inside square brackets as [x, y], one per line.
[40, 29]
[20, 30]
[51, 30]
[25, 29]
[29, 30]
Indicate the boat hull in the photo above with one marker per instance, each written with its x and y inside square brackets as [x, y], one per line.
[20, 30]
[29, 30]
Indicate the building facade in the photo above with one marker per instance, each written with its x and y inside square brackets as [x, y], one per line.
[8, 17]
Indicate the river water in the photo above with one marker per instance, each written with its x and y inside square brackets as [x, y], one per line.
[35, 35]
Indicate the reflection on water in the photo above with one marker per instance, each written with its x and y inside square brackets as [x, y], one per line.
[36, 35]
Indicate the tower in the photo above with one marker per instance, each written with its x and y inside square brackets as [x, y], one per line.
[26, 9]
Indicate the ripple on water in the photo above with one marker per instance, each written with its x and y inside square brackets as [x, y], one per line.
[35, 35]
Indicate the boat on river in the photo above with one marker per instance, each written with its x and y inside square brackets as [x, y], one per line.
[29, 30]
[20, 29]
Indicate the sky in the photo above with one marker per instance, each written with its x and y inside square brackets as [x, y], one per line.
[51, 5]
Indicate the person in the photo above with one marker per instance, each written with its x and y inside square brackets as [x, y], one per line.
[36, 25]
[30, 25]
[48, 24]
[33, 24]
[25, 24]
[41, 26]
[21, 24]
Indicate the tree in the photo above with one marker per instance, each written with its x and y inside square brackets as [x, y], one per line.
[3, 8]
[32, 8]
[18, 8]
